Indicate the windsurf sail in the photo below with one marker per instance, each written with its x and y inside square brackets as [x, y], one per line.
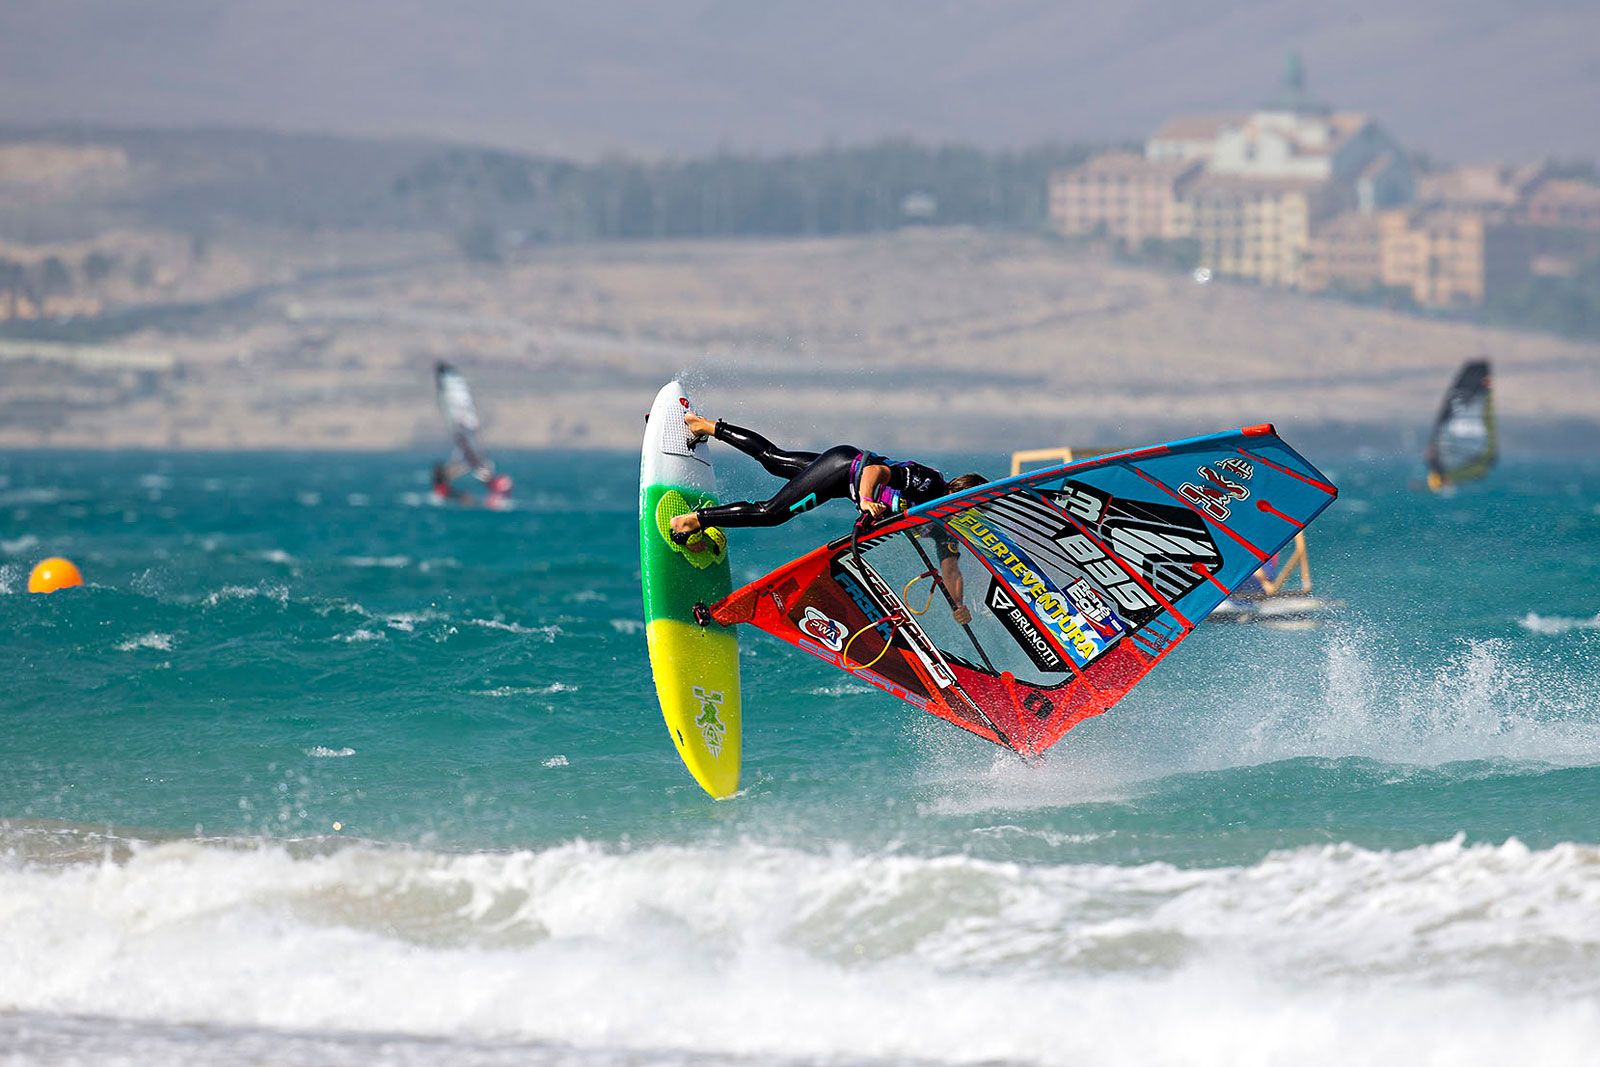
[1080, 578]
[1464, 443]
[461, 415]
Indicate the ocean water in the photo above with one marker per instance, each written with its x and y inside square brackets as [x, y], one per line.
[317, 772]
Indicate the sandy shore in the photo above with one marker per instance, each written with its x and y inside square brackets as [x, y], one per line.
[922, 339]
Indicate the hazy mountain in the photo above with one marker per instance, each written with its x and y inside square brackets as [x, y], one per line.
[1459, 78]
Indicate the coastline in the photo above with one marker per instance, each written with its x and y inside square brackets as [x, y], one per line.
[922, 336]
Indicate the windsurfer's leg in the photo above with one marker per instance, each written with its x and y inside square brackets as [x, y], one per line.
[826, 477]
[778, 462]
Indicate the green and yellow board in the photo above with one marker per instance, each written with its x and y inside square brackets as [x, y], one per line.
[696, 668]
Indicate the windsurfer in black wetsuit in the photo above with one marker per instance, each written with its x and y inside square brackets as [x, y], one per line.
[876, 485]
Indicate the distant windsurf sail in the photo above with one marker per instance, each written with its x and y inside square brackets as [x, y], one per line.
[461, 415]
[1463, 445]
[1080, 577]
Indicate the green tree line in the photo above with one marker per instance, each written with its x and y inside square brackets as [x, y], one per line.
[32, 283]
[1564, 304]
[883, 186]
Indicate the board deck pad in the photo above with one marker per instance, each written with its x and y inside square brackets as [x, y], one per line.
[669, 506]
[696, 668]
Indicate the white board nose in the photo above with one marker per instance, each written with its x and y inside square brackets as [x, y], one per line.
[666, 416]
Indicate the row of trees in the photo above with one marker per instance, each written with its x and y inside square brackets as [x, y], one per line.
[1565, 304]
[33, 284]
[491, 196]
[495, 201]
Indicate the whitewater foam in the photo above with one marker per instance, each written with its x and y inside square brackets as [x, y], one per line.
[527, 690]
[1445, 953]
[265, 590]
[158, 642]
[406, 621]
[1489, 698]
[383, 562]
[549, 633]
[1555, 625]
[12, 546]
[842, 689]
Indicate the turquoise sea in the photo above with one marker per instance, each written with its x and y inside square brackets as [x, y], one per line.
[316, 771]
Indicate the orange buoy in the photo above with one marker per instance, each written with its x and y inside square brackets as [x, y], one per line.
[52, 574]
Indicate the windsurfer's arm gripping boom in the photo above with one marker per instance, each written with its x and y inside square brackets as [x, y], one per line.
[950, 573]
[873, 478]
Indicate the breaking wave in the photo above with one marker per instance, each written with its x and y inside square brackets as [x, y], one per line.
[1446, 952]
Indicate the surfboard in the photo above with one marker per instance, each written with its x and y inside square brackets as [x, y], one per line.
[696, 668]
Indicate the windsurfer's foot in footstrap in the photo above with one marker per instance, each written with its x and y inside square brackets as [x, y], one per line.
[680, 525]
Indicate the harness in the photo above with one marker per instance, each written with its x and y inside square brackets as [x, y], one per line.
[887, 495]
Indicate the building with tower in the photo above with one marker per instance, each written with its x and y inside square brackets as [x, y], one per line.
[1248, 188]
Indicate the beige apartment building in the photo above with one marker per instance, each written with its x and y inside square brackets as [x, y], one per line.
[1493, 188]
[1296, 194]
[1450, 258]
[1249, 227]
[1442, 257]
[1476, 230]
[1563, 203]
[1120, 195]
[1438, 255]
[1346, 252]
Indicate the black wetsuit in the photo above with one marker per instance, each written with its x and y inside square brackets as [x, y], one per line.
[814, 478]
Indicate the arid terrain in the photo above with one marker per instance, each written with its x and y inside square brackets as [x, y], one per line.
[924, 338]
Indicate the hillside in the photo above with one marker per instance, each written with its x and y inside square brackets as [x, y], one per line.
[923, 338]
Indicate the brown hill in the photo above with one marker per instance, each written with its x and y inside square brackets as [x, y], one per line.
[924, 339]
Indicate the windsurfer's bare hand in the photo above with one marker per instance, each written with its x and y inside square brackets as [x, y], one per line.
[874, 509]
[961, 614]
[699, 425]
